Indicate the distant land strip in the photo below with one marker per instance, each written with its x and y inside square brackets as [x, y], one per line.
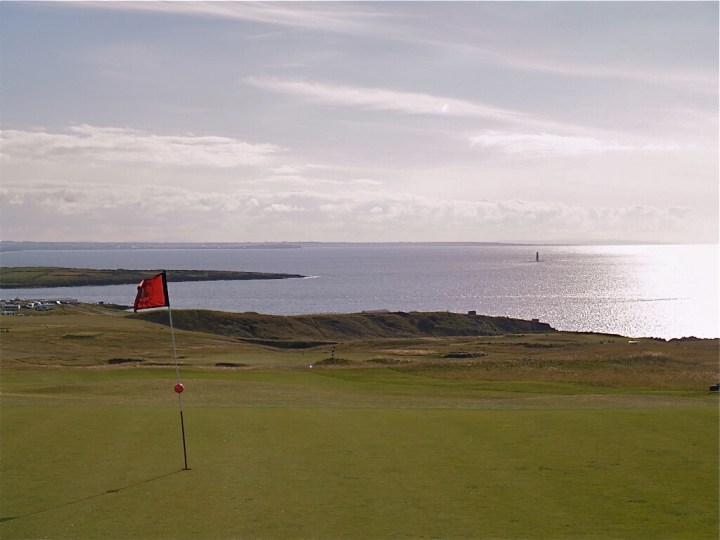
[33, 277]
[10, 246]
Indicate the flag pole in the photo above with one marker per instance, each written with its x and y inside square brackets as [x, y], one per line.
[178, 386]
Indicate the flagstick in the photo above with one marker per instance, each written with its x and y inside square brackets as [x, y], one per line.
[149, 296]
[177, 378]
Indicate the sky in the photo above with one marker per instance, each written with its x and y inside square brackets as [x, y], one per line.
[546, 122]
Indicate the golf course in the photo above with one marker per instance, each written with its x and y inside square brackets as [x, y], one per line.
[362, 426]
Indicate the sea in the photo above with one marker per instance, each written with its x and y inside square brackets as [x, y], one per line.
[662, 291]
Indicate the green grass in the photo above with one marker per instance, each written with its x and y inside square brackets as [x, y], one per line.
[352, 454]
[532, 436]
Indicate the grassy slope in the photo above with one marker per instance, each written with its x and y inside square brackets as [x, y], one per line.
[93, 336]
[341, 327]
[48, 276]
[542, 435]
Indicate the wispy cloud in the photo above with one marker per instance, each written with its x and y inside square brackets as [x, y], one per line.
[561, 145]
[424, 104]
[698, 81]
[359, 19]
[111, 144]
[326, 16]
[561, 63]
[382, 99]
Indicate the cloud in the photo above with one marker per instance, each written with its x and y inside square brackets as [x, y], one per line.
[111, 144]
[548, 144]
[560, 63]
[418, 103]
[282, 208]
[328, 17]
[410, 26]
[381, 99]
[295, 169]
[370, 215]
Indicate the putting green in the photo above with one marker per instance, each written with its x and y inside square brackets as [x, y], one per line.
[371, 454]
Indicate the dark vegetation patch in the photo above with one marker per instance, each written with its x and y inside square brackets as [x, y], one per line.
[116, 307]
[287, 344]
[230, 365]
[385, 361]
[333, 362]
[120, 361]
[82, 335]
[463, 354]
[340, 327]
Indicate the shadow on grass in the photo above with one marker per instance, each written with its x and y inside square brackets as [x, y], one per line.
[91, 497]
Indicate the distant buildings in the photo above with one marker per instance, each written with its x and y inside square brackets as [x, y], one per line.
[13, 307]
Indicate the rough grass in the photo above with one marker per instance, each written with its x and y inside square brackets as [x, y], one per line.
[77, 336]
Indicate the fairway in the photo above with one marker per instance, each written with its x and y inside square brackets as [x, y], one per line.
[546, 435]
[308, 454]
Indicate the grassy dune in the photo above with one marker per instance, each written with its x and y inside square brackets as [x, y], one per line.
[344, 327]
[551, 435]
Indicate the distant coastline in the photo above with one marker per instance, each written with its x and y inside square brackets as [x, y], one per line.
[34, 277]
[22, 245]
[9, 245]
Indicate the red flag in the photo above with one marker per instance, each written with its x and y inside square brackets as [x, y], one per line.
[152, 293]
